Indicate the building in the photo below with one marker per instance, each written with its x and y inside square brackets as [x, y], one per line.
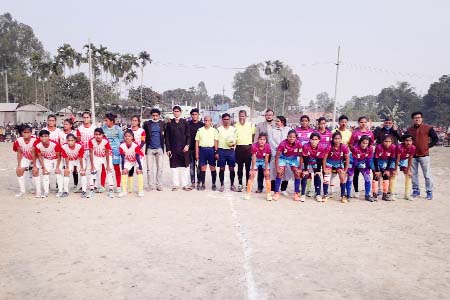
[8, 113]
[31, 112]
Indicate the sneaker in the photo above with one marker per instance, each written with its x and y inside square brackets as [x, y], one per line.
[319, 198]
[90, 194]
[44, 195]
[310, 194]
[429, 195]
[119, 190]
[344, 199]
[393, 197]
[141, 194]
[77, 190]
[222, 188]
[59, 195]
[246, 196]
[83, 195]
[259, 191]
[159, 188]
[415, 194]
[239, 189]
[276, 196]
[233, 188]
[174, 189]
[296, 197]
[269, 197]
[214, 187]
[202, 188]
[187, 188]
[198, 186]
[302, 198]
[408, 197]
[65, 194]
[285, 193]
[111, 194]
[101, 190]
[18, 195]
[122, 194]
[354, 195]
[368, 198]
[325, 198]
[385, 197]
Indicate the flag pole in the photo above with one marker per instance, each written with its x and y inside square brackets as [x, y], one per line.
[91, 77]
[335, 88]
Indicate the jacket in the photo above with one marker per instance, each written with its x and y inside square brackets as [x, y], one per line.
[263, 127]
[380, 132]
[424, 138]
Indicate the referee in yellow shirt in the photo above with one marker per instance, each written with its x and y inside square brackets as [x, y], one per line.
[244, 138]
[206, 143]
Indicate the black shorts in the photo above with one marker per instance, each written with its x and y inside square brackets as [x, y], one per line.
[243, 153]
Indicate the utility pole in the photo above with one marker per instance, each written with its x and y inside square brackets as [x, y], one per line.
[91, 78]
[5, 73]
[335, 87]
[223, 95]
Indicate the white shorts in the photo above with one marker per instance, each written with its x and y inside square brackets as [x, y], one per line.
[50, 165]
[73, 164]
[25, 163]
[128, 165]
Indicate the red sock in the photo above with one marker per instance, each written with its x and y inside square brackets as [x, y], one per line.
[103, 176]
[118, 174]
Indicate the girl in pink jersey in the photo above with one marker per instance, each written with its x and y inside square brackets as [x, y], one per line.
[384, 167]
[139, 138]
[405, 154]
[260, 160]
[362, 156]
[337, 159]
[68, 129]
[100, 157]
[48, 154]
[325, 134]
[25, 156]
[303, 134]
[131, 154]
[313, 154]
[73, 153]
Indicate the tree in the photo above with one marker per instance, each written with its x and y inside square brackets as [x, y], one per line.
[218, 99]
[361, 106]
[437, 102]
[324, 102]
[143, 58]
[150, 98]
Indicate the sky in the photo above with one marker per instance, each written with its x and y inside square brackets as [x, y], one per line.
[382, 42]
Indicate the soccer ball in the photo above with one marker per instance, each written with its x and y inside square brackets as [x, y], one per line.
[230, 140]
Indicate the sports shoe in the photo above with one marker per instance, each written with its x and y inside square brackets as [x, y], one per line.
[285, 193]
[44, 195]
[38, 196]
[101, 190]
[276, 196]
[354, 195]
[246, 196]
[111, 194]
[83, 194]
[65, 194]
[385, 197]
[198, 186]
[202, 188]
[408, 197]
[239, 188]
[344, 199]
[325, 198]
[429, 195]
[159, 188]
[122, 194]
[392, 197]
[141, 194]
[415, 194]
[319, 198]
[302, 198]
[296, 197]
[90, 194]
[119, 190]
[174, 189]
[269, 197]
[233, 188]
[214, 187]
[18, 195]
[59, 195]
[310, 194]
[222, 188]
[368, 198]
[259, 191]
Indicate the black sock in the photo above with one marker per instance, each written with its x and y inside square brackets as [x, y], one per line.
[213, 176]
[75, 178]
[222, 176]
[284, 185]
[232, 175]
[202, 177]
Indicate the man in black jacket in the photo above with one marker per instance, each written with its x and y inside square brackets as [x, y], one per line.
[194, 125]
[154, 140]
[388, 128]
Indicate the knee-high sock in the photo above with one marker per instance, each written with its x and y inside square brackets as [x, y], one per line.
[308, 184]
[75, 178]
[333, 176]
[326, 183]
[374, 186]
[317, 184]
[276, 188]
[21, 181]
[46, 183]
[367, 187]
[304, 184]
[102, 176]
[343, 187]
[297, 185]
[202, 177]
[130, 184]
[221, 176]
[118, 174]
[385, 185]
[83, 183]
[268, 186]
[408, 183]
[392, 184]
[240, 172]
[124, 179]
[66, 181]
[348, 187]
[284, 185]
[37, 184]
[232, 175]
[60, 182]
[140, 181]
[213, 176]
[249, 185]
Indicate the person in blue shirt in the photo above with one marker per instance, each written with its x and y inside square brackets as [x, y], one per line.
[115, 136]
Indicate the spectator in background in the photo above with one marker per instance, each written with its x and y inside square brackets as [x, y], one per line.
[263, 127]
[154, 150]
[194, 125]
[388, 128]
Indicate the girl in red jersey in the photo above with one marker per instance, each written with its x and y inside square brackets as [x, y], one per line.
[325, 134]
[384, 167]
[131, 154]
[139, 138]
[405, 154]
[260, 160]
[25, 156]
[100, 156]
[68, 129]
[362, 156]
[73, 154]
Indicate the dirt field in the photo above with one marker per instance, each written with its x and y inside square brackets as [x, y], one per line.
[211, 245]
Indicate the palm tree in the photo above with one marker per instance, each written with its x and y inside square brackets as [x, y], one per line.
[144, 58]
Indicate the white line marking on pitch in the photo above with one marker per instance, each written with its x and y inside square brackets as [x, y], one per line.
[252, 293]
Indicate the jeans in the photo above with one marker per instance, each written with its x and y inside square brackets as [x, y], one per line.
[424, 163]
[154, 158]
[193, 167]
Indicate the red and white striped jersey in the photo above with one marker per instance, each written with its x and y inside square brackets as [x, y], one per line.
[49, 152]
[130, 151]
[85, 134]
[24, 147]
[74, 153]
[54, 135]
[139, 135]
[99, 148]
[63, 136]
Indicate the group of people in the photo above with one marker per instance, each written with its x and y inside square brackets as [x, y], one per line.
[269, 152]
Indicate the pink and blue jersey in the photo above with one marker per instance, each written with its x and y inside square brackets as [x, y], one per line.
[303, 134]
[336, 156]
[290, 150]
[384, 158]
[404, 153]
[260, 153]
[358, 134]
[325, 137]
[362, 157]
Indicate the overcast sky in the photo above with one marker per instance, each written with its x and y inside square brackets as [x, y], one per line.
[382, 41]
